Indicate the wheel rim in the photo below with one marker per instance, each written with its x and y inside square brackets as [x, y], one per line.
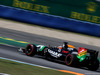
[68, 59]
[29, 49]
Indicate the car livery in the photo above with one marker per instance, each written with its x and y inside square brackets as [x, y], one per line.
[66, 53]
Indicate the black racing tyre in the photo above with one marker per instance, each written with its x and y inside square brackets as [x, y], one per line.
[30, 50]
[93, 65]
[71, 60]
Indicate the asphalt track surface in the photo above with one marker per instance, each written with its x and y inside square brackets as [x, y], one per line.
[12, 53]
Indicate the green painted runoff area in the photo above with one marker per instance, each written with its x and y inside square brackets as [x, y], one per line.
[14, 68]
[13, 42]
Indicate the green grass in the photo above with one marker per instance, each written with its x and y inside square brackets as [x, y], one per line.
[14, 68]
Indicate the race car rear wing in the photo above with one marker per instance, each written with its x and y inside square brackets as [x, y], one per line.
[93, 54]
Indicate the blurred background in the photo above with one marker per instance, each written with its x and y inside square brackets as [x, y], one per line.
[82, 16]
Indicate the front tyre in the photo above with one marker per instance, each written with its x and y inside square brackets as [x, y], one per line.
[30, 50]
[93, 65]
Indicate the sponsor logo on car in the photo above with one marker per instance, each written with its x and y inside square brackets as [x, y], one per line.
[65, 51]
[54, 54]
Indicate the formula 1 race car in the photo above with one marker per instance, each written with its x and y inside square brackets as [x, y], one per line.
[68, 53]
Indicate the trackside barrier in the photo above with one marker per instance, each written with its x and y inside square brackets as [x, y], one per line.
[83, 10]
[50, 21]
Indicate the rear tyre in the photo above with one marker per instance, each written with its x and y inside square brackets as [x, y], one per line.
[71, 60]
[93, 65]
[30, 50]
